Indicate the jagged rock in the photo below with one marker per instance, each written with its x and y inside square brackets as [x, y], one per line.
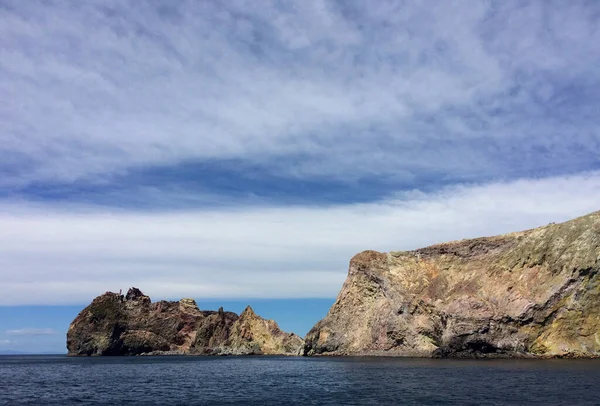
[214, 331]
[134, 294]
[254, 335]
[531, 293]
[133, 325]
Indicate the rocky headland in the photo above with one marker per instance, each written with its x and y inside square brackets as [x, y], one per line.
[534, 293]
[114, 324]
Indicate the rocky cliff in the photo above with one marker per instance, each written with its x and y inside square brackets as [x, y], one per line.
[133, 325]
[530, 293]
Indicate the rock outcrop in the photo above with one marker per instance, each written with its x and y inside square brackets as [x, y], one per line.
[534, 293]
[133, 325]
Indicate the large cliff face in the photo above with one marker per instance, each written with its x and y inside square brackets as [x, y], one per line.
[530, 293]
[132, 325]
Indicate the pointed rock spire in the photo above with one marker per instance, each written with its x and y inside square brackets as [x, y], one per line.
[248, 312]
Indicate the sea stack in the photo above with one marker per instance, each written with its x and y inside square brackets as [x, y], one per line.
[133, 325]
[534, 293]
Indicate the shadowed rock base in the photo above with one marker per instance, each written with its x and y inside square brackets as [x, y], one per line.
[534, 293]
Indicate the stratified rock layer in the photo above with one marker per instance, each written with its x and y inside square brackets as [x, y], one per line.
[530, 293]
[133, 325]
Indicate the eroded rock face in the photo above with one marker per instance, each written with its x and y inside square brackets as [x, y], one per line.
[530, 293]
[254, 335]
[133, 325]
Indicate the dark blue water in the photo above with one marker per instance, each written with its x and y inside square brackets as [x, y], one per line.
[58, 380]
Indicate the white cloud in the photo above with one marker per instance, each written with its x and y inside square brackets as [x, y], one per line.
[393, 88]
[30, 332]
[442, 92]
[57, 254]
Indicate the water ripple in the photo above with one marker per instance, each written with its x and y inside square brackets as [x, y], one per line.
[57, 380]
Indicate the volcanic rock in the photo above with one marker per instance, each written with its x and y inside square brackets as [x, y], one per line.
[534, 293]
[133, 325]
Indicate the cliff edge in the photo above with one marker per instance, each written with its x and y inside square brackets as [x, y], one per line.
[534, 293]
[132, 325]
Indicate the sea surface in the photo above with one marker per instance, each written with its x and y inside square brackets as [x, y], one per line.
[61, 380]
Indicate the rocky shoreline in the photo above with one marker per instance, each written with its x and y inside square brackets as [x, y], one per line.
[529, 294]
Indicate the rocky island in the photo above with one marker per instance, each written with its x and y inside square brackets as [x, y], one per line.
[533, 293]
[114, 324]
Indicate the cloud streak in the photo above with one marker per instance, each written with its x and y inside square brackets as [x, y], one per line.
[66, 254]
[31, 332]
[495, 90]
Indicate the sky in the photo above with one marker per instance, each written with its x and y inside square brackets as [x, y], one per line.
[242, 152]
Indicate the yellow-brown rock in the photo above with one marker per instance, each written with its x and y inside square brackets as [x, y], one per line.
[530, 293]
[253, 334]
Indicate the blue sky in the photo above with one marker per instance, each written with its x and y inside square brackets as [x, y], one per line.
[296, 315]
[236, 151]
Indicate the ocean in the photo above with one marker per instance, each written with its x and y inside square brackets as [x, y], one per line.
[61, 380]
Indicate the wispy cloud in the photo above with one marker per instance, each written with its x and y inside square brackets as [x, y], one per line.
[304, 89]
[30, 332]
[68, 254]
[240, 149]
